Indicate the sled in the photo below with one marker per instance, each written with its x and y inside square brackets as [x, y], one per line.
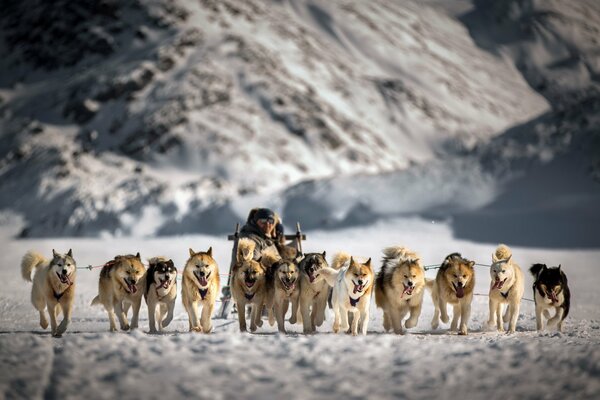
[227, 306]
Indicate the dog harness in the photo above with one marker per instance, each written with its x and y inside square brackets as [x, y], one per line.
[58, 296]
[353, 302]
[249, 296]
[505, 295]
[203, 292]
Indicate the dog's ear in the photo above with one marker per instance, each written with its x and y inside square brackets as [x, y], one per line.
[368, 263]
[259, 260]
[209, 251]
[559, 266]
[192, 253]
[70, 253]
[138, 256]
[324, 254]
[536, 269]
[509, 258]
[170, 263]
[351, 260]
[54, 253]
[471, 264]
[494, 258]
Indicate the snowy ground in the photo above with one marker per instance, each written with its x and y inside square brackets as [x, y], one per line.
[90, 362]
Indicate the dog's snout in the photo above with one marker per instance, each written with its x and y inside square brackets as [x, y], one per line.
[201, 273]
[459, 284]
[64, 271]
[410, 283]
[360, 281]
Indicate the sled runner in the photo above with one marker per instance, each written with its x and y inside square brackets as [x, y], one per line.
[226, 301]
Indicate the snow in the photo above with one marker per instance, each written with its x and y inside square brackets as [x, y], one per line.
[90, 362]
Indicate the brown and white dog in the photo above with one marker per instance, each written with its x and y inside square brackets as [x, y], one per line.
[200, 287]
[283, 286]
[507, 287]
[121, 285]
[53, 287]
[314, 290]
[161, 292]
[351, 293]
[399, 288]
[248, 284]
[454, 284]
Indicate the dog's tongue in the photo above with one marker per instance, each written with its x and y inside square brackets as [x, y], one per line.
[460, 292]
[132, 288]
[407, 290]
[553, 297]
[311, 278]
[358, 288]
[497, 284]
[249, 284]
[203, 281]
[165, 284]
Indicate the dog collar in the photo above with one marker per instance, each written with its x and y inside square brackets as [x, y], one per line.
[249, 296]
[203, 292]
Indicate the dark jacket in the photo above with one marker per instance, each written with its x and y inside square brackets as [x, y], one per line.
[253, 232]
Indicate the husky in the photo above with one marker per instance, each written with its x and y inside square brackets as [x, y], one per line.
[507, 287]
[454, 284]
[248, 284]
[399, 288]
[161, 292]
[314, 290]
[351, 293]
[53, 287]
[121, 285]
[283, 288]
[200, 286]
[550, 290]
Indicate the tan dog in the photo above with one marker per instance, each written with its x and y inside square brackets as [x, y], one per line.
[507, 287]
[351, 293]
[453, 284]
[53, 287]
[121, 285]
[248, 284]
[283, 285]
[200, 287]
[161, 292]
[399, 288]
[314, 290]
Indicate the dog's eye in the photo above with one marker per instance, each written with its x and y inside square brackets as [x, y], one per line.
[406, 276]
[456, 276]
[503, 271]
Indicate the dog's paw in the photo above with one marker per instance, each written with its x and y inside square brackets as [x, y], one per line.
[124, 327]
[292, 319]
[197, 329]
[445, 319]
[435, 324]
[463, 331]
[410, 323]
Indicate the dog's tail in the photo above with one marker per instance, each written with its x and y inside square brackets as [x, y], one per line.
[340, 259]
[502, 252]
[329, 274]
[399, 253]
[31, 260]
[379, 295]
[96, 301]
[245, 249]
[268, 257]
[429, 283]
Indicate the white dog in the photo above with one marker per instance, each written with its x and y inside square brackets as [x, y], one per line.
[507, 287]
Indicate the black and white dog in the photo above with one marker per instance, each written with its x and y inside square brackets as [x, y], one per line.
[550, 290]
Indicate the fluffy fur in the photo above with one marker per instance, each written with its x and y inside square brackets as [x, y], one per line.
[314, 290]
[351, 293]
[200, 287]
[550, 291]
[161, 292]
[248, 284]
[507, 287]
[399, 288]
[453, 284]
[53, 287]
[283, 285]
[121, 285]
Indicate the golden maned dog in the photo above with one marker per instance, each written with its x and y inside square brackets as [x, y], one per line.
[283, 285]
[200, 287]
[399, 288]
[53, 287]
[453, 284]
[121, 285]
[507, 287]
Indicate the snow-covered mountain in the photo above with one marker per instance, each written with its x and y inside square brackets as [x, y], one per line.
[161, 117]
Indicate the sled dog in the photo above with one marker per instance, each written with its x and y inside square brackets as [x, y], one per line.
[53, 287]
[283, 285]
[200, 287]
[248, 284]
[121, 285]
[550, 291]
[453, 284]
[314, 290]
[507, 287]
[351, 293]
[399, 288]
[161, 292]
